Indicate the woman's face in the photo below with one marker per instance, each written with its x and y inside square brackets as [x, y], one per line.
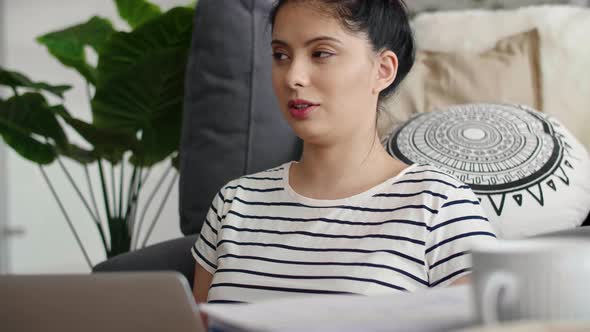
[323, 76]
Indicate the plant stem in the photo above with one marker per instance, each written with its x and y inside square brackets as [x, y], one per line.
[114, 190]
[73, 183]
[95, 218]
[150, 198]
[142, 180]
[105, 192]
[69, 221]
[135, 203]
[131, 201]
[91, 189]
[149, 233]
[132, 216]
[130, 193]
[121, 178]
[147, 175]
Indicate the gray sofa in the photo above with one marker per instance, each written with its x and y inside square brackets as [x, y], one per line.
[230, 124]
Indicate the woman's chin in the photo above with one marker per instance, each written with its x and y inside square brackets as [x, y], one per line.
[314, 137]
[311, 130]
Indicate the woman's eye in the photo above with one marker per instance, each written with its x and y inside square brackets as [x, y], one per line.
[279, 56]
[321, 54]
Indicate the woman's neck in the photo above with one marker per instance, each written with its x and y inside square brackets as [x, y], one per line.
[343, 169]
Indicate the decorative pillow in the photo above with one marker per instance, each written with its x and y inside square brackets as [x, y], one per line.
[231, 122]
[441, 79]
[530, 174]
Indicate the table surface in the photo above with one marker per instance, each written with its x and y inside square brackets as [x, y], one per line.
[528, 326]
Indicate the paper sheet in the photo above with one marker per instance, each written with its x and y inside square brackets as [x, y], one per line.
[442, 309]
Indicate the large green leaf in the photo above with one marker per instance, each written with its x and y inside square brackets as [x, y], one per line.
[140, 83]
[108, 144]
[68, 45]
[137, 12]
[78, 154]
[172, 29]
[25, 145]
[23, 142]
[32, 115]
[147, 98]
[15, 80]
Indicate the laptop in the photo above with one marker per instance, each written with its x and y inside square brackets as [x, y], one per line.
[99, 302]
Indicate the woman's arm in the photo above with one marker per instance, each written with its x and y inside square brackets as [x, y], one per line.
[462, 281]
[201, 285]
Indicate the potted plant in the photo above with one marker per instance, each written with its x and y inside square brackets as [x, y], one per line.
[135, 92]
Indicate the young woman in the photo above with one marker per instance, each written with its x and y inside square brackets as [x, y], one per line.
[347, 217]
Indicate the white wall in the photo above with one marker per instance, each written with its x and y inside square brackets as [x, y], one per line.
[49, 246]
[417, 5]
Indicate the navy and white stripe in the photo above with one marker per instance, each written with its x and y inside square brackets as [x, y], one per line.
[263, 240]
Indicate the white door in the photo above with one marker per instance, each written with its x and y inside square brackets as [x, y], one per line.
[3, 203]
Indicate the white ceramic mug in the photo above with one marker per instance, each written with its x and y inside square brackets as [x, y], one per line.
[532, 279]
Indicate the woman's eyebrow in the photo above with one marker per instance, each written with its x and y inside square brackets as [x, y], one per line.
[313, 40]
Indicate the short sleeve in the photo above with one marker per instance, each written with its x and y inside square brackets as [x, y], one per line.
[459, 225]
[205, 248]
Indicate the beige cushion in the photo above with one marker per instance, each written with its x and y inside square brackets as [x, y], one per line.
[564, 44]
[508, 73]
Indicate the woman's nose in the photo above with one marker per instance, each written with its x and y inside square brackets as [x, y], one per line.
[297, 75]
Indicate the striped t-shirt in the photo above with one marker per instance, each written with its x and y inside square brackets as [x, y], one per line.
[262, 240]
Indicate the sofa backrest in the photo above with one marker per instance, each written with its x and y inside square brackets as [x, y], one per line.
[231, 122]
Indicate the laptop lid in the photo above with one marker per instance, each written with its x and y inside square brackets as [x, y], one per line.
[99, 302]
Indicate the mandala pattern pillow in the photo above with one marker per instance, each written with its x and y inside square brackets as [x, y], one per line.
[530, 174]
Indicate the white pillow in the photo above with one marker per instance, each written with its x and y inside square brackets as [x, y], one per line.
[529, 173]
[565, 51]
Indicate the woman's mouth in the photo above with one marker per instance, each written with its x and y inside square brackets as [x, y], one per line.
[300, 109]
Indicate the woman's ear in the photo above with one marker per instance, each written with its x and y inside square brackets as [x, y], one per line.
[387, 63]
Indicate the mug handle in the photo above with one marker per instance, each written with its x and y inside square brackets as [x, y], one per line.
[492, 296]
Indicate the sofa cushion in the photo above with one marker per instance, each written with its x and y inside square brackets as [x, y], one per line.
[529, 173]
[171, 255]
[441, 79]
[231, 124]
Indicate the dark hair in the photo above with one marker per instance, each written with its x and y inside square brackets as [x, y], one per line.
[385, 22]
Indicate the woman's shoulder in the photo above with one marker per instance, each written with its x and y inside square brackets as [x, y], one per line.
[424, 173]
[426, 177]
[262, 180]
[443, 192]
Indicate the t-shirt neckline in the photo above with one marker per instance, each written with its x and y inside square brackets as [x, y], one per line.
[322, 202]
